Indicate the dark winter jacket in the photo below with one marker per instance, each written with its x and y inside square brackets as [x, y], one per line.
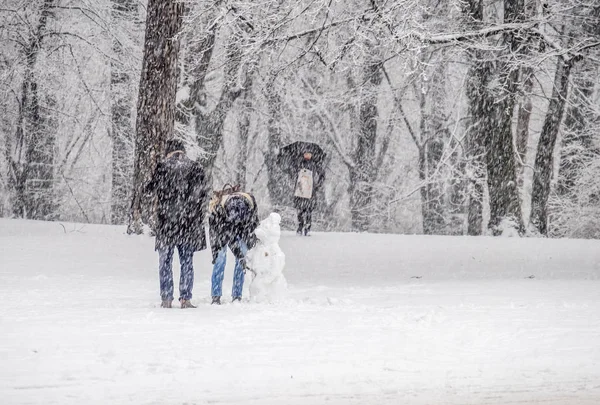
[318, 179]
[179, 186]
[232, 218]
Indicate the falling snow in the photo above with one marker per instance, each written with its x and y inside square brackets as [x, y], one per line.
[352, 138]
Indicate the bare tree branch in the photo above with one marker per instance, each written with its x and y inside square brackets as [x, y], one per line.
[398, 103]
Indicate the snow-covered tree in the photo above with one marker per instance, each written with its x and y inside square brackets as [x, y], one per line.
[155, 122]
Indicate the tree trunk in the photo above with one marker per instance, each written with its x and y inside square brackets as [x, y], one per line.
[156, 101]
[244, 135]
[364, 173]
[197, 60]
[432, 193]
[524, 117]
[501, 170]
[432, 204]
[477, 77]
[31, 158]
[209, 125]
[39, 196]
[525, 103]
[277, 182]
[121, 112]
[577, 145]
[505, 203]
[544, 161]
[433, 134]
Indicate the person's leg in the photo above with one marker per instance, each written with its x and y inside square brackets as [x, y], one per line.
[186, 279]
[238, 273]
[165, 274]
[300, 220]
[218, 272]
[307, 220]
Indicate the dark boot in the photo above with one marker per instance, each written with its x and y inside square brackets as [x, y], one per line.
[186, 304]
[216, 300]
[236, 299]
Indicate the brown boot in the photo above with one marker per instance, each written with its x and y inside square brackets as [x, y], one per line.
[166, 304]
[186, 304]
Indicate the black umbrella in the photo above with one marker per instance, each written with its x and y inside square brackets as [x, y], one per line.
[293, 152]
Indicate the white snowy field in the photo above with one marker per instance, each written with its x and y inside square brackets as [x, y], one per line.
[368, 319]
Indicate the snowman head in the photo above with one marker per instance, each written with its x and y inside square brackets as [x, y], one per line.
[274, 218]
[269, 231]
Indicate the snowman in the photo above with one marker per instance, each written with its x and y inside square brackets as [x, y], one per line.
[266, 261]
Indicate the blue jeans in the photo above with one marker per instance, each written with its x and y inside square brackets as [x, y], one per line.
[219, 271]
[165, 269]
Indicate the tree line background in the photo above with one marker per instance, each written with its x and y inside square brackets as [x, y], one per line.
[438, 117]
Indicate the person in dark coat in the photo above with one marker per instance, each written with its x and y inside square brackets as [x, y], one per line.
[179, 186]
[233, 217]
[309, 180]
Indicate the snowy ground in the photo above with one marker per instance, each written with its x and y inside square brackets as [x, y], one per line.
[369, 319]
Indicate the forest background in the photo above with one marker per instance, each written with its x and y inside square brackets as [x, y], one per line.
[439, 117]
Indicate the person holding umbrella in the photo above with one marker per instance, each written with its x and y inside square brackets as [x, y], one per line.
[303, 162]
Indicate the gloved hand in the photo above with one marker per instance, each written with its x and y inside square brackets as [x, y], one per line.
[245, 266]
